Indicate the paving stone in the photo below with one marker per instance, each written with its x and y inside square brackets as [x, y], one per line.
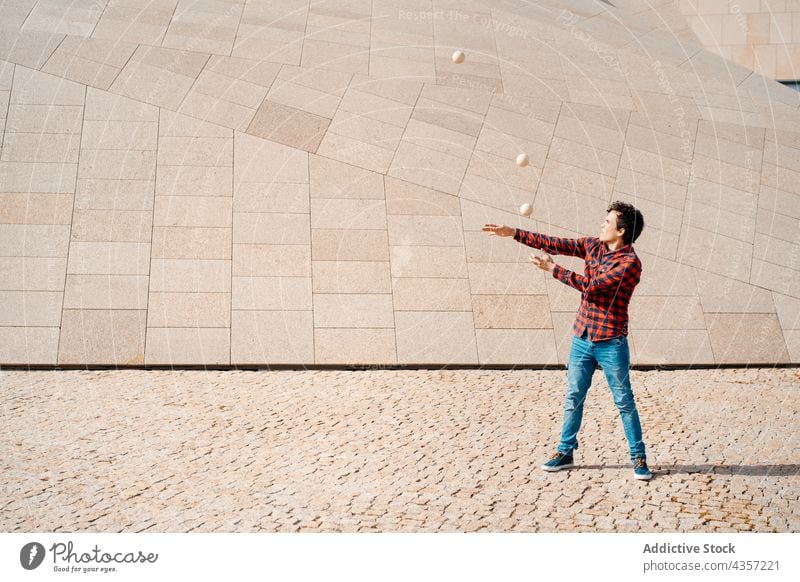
[106, 292]
[102, 336]
[289, 126]
[664, 144]
[259, 160]
[570, 177]
[117, 165]
[745, 337]
[431, 294]
[35, 147]
[190, 276]
[366, 130]
[721, 172]
[178, 242]
[216, 110]
[522, 346]
[496, 169]
[172, 124]
[511, 311]
[435, 170]
[567, 209]
[274, 336]
[272, 293]
[190, 310]
[30, 308]
[583, 156]
[129, 23]
[420, 337]
[527, 126]
[32, 273]
[37, 177]
[274, 44]
[112, 225]
[404, 198]
[335, 56]
[372, 104]
[193, 211]
[271, 260]
[651, 188]
[659, 346]
[721, 294]
[792, 339]
[29, 346]
[311, 99]
[276, 197]
[775, 277]
[349, 245]
[29, 48]
[153, 85]
[26, 240]
[189, 346]
[353, 310]
[35, 208]
[479, 249]
[706, 250]
[332, 179]
[346, 213]
[195, 151]
[655, 312]
[585, 127]
[109, 258]
[355, 152]
[677, 171]
[422, 261]
[420, 230]
[354, 346]
[351, 277]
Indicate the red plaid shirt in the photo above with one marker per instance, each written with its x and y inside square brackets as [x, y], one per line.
[606, 286]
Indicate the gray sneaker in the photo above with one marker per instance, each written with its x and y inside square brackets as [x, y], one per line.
[559, 461]
[640, 470]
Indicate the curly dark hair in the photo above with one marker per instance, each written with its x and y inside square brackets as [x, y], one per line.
[628, 218]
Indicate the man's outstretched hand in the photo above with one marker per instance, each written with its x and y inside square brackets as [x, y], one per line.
[545, 263]
[498, 230]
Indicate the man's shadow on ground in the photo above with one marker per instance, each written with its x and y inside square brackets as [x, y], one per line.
[712, 469]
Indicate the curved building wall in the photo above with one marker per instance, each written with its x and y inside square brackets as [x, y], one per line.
[762, 35]
[219, 183]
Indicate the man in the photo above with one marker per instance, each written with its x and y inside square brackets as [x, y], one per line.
[611, 273]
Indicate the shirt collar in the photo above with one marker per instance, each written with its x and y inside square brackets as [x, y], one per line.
[623, 249]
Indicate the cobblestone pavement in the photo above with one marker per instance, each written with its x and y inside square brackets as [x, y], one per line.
[179, 451]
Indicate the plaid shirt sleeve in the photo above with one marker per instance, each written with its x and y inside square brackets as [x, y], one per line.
[551, 244]
[623, 276]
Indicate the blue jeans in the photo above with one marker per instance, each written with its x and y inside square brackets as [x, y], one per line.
[614, 357]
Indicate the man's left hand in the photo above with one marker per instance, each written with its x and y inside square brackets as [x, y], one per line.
[545, 263]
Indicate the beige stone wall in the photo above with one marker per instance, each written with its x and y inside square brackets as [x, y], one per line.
[762, 35]
[238, 192]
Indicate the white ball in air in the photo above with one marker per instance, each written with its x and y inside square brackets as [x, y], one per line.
[522, 160]
[458, 57]
[526, 209]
